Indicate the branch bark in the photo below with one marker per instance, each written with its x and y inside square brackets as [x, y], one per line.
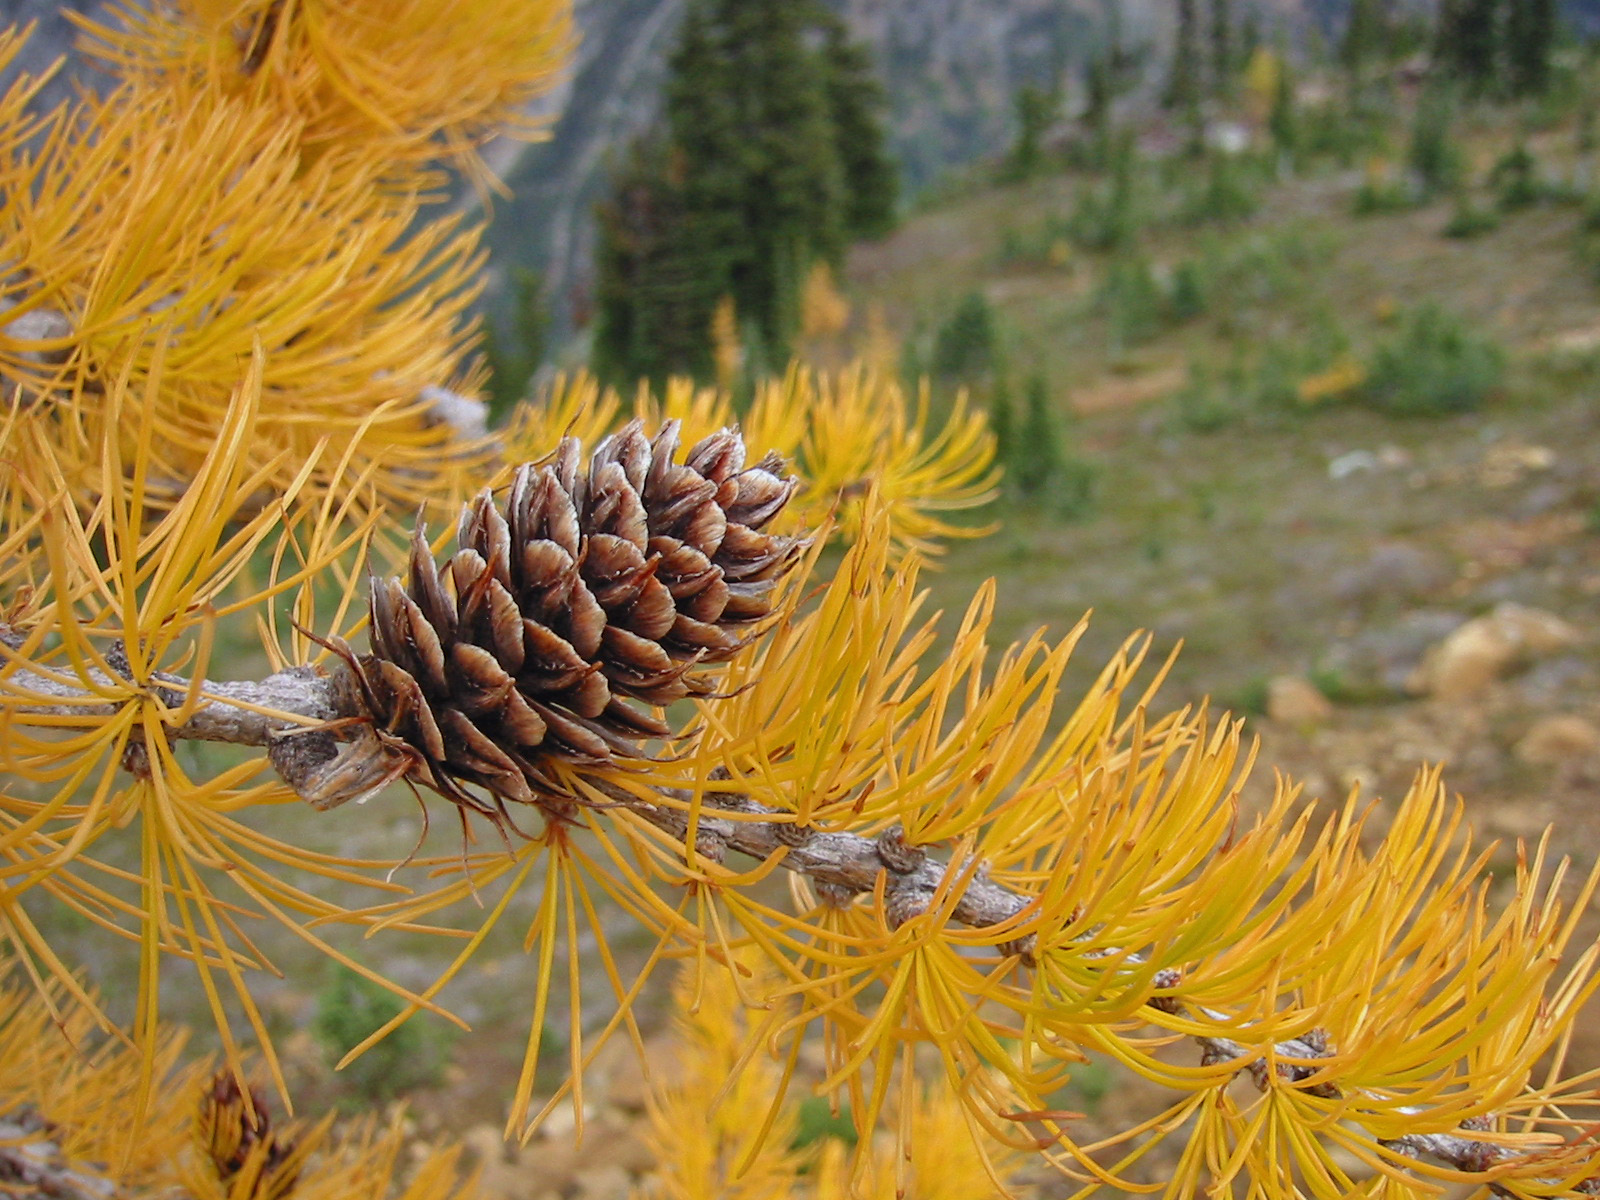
[329, 757]
[31, 1164]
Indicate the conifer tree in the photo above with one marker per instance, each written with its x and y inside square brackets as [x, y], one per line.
[515, 357]
[1530, 34]
[1035, 108]
[857, 102]
[1366, 35]
[1183, 82]
[1468, 38]
[654, 297]
[774, 159]
[1224, 56]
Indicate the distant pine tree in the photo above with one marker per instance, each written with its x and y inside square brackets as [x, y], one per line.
[1003, 423]
[967, 346]
[857, 103]
[1183, 84]
[1036, 109]
[1366, 35]
[515, 355]
[774, 160]
[1040, 457]
[1530, 38]
[653, 299]
[1185, 78]
[1224, 56]
[1467, 40]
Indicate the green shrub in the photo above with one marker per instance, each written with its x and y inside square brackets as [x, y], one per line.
[1515, 180]
[350, 1008]
[1038, 466]
[1187, 295]
[1206, 404]
[1380, 194]
[1433, 157]
[1227, 194]
[1434, 366]
[1470, 220]
[818, 1122]
[1335, 130]
[1106, 217]
[1299, 375]
[1132, 300]
[967, 346]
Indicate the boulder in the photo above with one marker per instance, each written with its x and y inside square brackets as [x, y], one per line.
[1558, 739]
[1293, 700]
[1483, 650]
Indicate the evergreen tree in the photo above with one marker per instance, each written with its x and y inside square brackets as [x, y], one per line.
[856, 102]
[1034, 470]
[1223, 59]
[1250, 39]
[773, 160]
[1433, 156]
[653, 297]
[1366, 35]
[1283, 121]
[967, 346]
[1530, 36]
[1467, 39]
[1035, 110]
[764, 167]
[1003, 423]
[514, 356]
[1183, 85]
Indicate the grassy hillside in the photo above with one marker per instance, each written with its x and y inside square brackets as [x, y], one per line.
[1214, 364]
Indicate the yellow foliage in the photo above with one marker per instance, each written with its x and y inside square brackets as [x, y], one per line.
[147, 1125]
[824, 313]
[721, 1130]
[727, 352]
[256, 183]
[223, 309]
[387, 89]
[844, 434]
[862, 434]
[881, 352]
[1263, 76]
[1339, 380]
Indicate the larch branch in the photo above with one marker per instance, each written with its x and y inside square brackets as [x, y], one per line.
[305, 720]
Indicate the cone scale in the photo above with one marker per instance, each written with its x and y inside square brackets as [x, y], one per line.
[572, 611]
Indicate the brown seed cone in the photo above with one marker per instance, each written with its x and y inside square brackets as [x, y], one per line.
[584, 592]
[237, 1136]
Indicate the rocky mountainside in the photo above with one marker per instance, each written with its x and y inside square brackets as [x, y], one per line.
[951, 68]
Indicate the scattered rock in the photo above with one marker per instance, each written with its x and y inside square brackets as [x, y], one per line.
[1357, 462]
[1464, 664]
[1393, 570]
[562, 1122]
[1526, 820]
[629, 1084]
[1505, 463]
[1539, 632]
[1377, 662]
[608, 1182]
[1353, 462]
[1293, 700]
[500, 1173]
[1558, 739]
